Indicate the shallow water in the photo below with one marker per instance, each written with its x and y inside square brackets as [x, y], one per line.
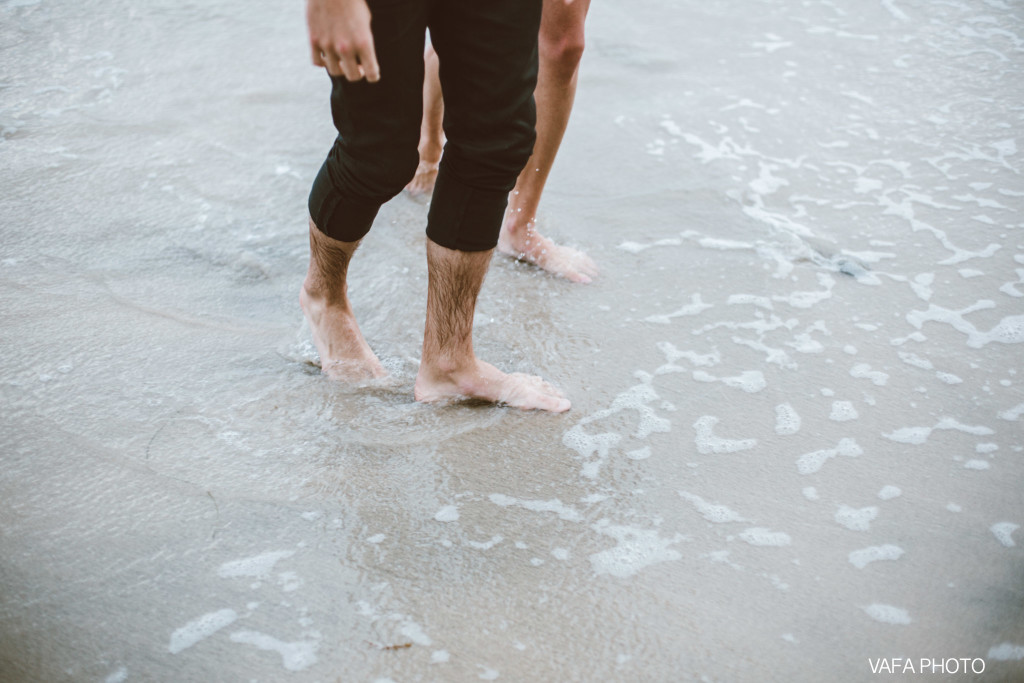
[795, 444]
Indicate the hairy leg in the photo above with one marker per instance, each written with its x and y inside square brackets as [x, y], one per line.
[449, 368]
[431, 133]
[344, 353]
[561, 47]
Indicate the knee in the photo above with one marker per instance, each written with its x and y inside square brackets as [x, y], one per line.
[384, 174]
[494, 162]
[561, 53]
[403, 165]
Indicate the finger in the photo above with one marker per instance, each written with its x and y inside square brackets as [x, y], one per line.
[330, 60]
[368, 60]
[318, 59]
[350, 68]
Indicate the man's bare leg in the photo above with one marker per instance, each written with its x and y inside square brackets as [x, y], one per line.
[561, 47]
[344, 353]
[449, 368]
[431, 133]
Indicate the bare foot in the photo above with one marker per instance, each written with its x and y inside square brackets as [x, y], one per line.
[488, 383]
[524, 243]
[344, 353]
[423, 182]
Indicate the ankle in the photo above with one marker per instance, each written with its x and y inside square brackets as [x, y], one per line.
[430, 151]
[314, 290]
[446, 366]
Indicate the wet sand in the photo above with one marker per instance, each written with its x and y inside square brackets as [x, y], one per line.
[795, 448]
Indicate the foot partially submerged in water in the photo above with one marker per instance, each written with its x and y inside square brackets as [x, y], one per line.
[450, 369]
[344, 353]
[522, 241]
[483, 381]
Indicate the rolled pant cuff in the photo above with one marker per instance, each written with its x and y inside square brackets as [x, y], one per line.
[346, 219]
[465, 218]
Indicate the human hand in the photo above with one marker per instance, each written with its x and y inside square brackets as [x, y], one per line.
[340, 38]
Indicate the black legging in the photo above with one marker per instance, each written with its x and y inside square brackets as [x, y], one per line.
[488, 56]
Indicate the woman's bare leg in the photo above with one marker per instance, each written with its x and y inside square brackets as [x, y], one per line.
[431, 133]
[561, 47]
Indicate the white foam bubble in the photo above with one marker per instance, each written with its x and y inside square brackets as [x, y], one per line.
[635, 398]
[295, 656]
[805, 343]
[257, 566]
[448, 513]
[586, 444]
[864, 371]
[707, 442]
[376, 538]
[809, 463]
[977, 465]
[811, 493]
[915, 360]
[787, 421]
[695, 307]
[889, 492]
[289, 581]
[1012, 414]
[986, 448]
[199, 629]
[766, 183]
[672, 354]
[918, 435]
[950, 423]
[556, 506]
[876, 553]
[1006, 652]
[750, 381]
[1009, 330]
[856, 519]
[953, 507]
[723, 244]
[119, 675]
[636, 550]
[639, 454]
[810, 298]
[887, 614]
[752, 299]
[637, 247]
[414, 632]
[843, 411]
[1003, 531]
[651, 423]
[761, 536]
[439, 656]
[948, 378]
[718, 514]
[910, 435]
[486, 545]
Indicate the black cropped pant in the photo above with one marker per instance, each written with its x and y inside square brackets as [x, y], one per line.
[488, 56]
